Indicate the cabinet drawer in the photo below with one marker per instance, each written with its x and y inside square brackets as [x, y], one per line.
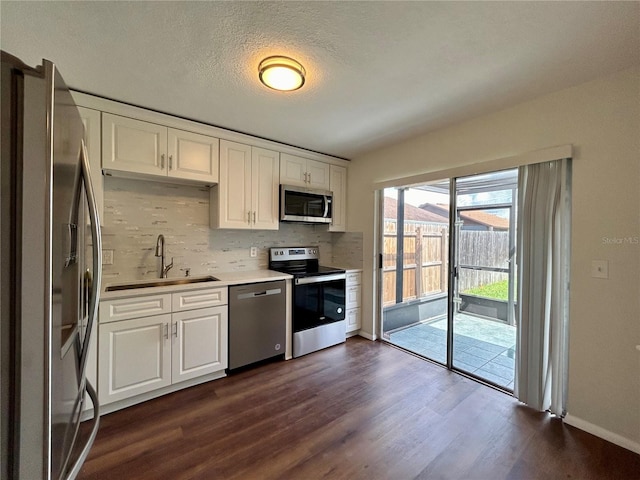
[354, 278]
[134, 307]
[353, 297]
[211, 297]
[353, 319]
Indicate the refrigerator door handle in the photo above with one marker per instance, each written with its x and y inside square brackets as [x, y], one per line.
[97, 256]
[75, 469]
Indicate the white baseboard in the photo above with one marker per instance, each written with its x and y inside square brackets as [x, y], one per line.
[368, 336]
[602, 433]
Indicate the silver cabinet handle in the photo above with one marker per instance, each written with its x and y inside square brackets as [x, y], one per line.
[162, 161]
[175, 329]
[254, 217]
[309, 177]
[170, 162]
[249, 218]
[166, 331]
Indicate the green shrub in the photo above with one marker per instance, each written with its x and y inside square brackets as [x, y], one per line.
[498, 290]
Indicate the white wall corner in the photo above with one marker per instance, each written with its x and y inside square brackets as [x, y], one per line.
[602, 433]
[368, 336]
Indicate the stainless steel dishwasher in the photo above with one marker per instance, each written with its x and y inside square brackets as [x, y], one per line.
[257, 322]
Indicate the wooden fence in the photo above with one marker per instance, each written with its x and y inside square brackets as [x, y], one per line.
[426, 254]
[482, 248]
[425, 260]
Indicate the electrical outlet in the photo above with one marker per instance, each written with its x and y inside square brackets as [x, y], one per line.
[107, 257]
[600, 269]
[254, 251]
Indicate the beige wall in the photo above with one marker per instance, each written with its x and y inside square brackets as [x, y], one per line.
[601, 119]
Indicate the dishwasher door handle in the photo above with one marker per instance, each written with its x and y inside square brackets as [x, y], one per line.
[262, 293]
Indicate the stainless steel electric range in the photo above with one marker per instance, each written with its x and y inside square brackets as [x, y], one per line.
[318, 298]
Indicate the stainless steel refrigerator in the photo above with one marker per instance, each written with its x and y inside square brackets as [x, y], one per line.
[50, 273]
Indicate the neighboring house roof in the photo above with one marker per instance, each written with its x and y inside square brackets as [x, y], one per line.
[476, 217]
[412, 213]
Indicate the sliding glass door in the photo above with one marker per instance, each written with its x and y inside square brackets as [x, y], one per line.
[415, 269]
[483, 309]
[448, 270]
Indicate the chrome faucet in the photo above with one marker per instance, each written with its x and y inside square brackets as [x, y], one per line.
[160, 253]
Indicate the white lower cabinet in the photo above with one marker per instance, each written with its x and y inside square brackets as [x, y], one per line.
[134, 357]
[353, 319]
[352, 301]
[140, 355]
[199, 343]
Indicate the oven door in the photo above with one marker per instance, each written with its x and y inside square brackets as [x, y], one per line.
[318, 300]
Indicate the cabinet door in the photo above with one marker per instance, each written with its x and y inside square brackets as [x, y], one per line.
[193, 156]
[92, 131]
[293, 170]
[318, 175]
[199, 343]
[134, 357]
[338, 185]
[265, 188]
[234, 200]
[133, 146]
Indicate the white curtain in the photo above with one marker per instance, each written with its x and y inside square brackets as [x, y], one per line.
[543, 249]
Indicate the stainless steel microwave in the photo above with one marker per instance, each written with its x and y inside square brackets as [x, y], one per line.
[306, 205]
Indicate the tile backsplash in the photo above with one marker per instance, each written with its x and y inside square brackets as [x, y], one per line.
[137, 211]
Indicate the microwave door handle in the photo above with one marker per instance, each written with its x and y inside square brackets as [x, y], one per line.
[326, 206]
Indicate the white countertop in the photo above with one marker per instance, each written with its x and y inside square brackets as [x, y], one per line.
[224, 279]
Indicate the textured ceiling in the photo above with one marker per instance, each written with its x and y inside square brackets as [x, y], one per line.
[377, 72]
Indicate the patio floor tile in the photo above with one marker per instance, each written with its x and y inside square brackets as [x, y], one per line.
[482, 347]
[500, 370]
[504, 360]
[479, 352]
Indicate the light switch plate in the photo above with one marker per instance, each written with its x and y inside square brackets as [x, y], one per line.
[600, 269]
[254, 251]
[107, 257]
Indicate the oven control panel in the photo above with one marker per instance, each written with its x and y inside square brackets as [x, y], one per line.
[293, 253]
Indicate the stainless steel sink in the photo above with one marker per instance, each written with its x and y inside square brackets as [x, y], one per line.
[161, 283]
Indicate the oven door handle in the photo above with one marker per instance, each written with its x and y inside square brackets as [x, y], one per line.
[320, 279]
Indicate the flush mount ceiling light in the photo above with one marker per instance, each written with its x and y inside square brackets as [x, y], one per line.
[281, 73]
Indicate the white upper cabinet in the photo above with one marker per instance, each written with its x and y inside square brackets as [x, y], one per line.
[265, 171]
[133, 146]
[91, 120]
[247, 195]
[143, 148]
[193, 156]
[338, 185]
[234, 200]
[303, 172]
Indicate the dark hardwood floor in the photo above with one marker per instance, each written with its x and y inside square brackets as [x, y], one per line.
[361, 410]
